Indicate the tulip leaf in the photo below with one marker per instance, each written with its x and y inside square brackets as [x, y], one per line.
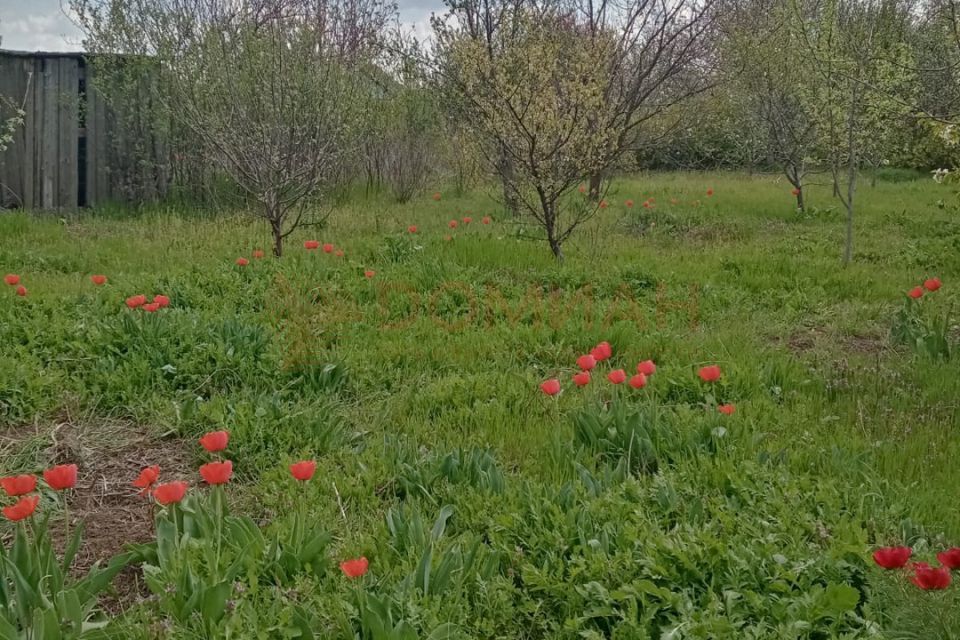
[71, 551]
[7, 630]
[441, 523]
[839, 598]
[214, 601]
[423, 570]
[446, 631]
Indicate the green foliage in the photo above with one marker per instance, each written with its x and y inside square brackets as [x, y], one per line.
[924, 329]
[486, 509]
[41, 595]
[204, 558]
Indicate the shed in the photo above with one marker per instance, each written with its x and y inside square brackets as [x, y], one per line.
[70, 151]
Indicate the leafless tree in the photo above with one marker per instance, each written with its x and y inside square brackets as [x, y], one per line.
[659, 53]
[484, 22]
[265, 88]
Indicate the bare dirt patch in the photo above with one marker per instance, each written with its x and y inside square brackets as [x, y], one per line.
[109, 454]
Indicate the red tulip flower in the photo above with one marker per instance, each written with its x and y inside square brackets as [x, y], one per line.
[638, 381]
[436, 196]
[339, 253]
[369, 273]
[18, 485]
[148, 476]
[310, 245]
[153, 307]
[915, 293]
[581, 379]
[161, 300]
[709, 192]
[24, 508]
[601, 352]
[242, 262]
[21, 291]
[11, 279]
[170, 493]
[467, 220]
[136, 301]
[603, 204]
[617, 376]
[303, 470]
[452, 224]
[795, 191]
[412, 228]
[61, 477]
[217, 472]
[726, 409]
[932, 284]
[709, 373]
[215, 441]
[98, 280]
[930, 578]
[629, 204]
[550, 387]
[582, 189]
[258, 253]
[355, 568]
[586, 362]
[647, 368]
[486, 220]
[892, 557]
[328, 248]
[950, 558]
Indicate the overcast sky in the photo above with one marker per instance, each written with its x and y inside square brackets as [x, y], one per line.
[41, 25]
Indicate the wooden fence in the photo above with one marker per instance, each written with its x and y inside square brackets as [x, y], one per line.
[72, 150]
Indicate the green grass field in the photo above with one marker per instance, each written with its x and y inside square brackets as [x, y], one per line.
[486, 508]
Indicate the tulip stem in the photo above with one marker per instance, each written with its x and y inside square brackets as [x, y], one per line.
[218, 498]
[66, 514]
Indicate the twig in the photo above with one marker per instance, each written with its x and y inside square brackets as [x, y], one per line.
[339, 501]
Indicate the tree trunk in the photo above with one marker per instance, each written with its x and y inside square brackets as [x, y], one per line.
[853, 163]
[507, 180]
[276, 228]
[596, 183]
[557, 249]
[795, 177]
[550, 224]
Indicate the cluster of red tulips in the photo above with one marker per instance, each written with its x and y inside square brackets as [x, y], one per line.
[139, 301]
[219, 472]
[13, 280]
[649, 203]
[924, 576]
[58, 478]
[454, 223]
[931, 285]
[645, 369]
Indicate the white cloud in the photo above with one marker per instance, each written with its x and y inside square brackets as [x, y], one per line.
[40, 26]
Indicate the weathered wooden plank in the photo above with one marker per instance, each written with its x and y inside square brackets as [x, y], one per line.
[11, 163]
[37, 130]
[90, 122]
[103, 151]
[29, 129]
[67, 105]
[50, 130]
